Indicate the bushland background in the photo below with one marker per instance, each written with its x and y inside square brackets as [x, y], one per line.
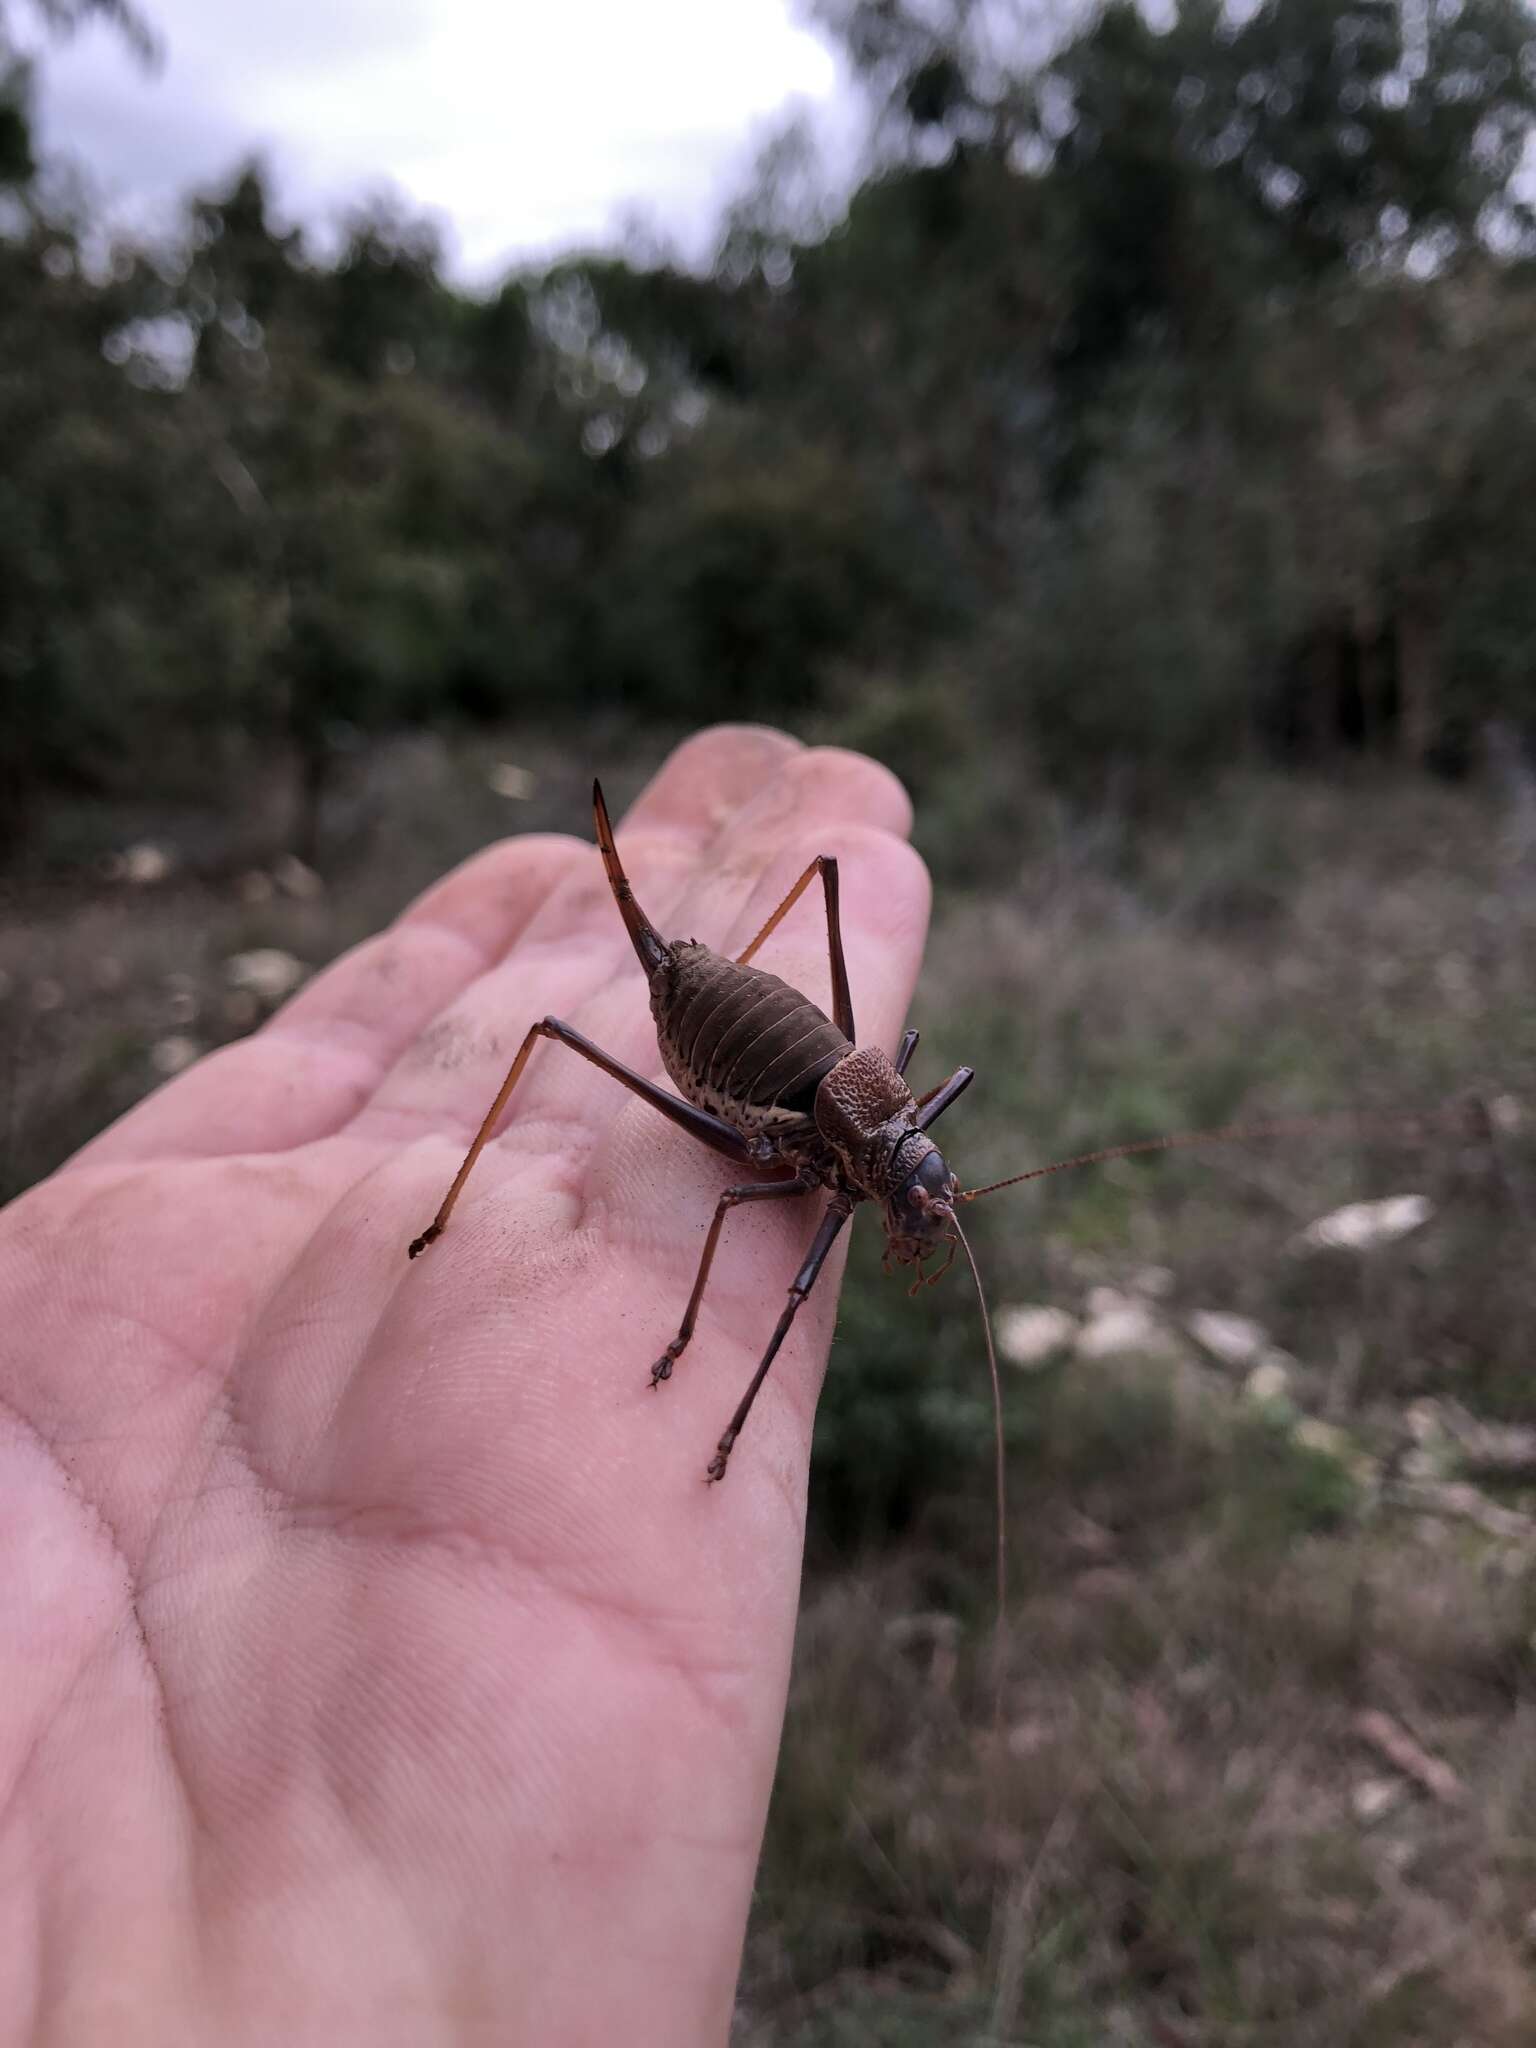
[1142, 461]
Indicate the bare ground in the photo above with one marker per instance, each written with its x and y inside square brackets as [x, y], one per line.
[1265, 1770]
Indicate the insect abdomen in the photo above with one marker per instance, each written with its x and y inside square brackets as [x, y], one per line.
[737, 1040]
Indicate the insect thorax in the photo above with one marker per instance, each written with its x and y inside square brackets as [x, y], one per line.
[864, 1111]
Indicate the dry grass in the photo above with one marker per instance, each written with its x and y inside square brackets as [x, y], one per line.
[1183, 1837]
[97, 975]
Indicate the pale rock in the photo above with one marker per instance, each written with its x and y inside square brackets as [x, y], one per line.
[1325, 1438]
[1361, 1226]
[254, 887]
[1424, 1420]
[1268, 1385]
[295, 879]
[1155, 1282]
[508, 780]
[144, 865]
[1235, 1340]
[1128, 1327]
[1506, 1115]
[1422, 1464]
[1373, 1798]
[1103, 1301]
[1031, 1337]
[266, 971]
[1027, 1738]
[173, 1055]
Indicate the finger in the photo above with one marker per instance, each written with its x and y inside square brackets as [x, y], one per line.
[701, 786]
[710, 778]
[520, 888]
[591, 978]
[823, 800]
[573, 943]
[323, 1054]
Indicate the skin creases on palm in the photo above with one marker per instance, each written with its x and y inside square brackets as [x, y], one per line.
[381, 1658]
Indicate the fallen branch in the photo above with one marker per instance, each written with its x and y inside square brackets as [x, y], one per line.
[1463, 1503]
[1502, 1450]
[1391, 1740]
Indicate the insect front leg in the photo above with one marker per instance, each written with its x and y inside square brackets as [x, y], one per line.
[839, 1209]
[931, 1107]
[759, 1191]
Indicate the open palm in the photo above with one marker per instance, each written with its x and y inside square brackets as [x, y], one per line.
[377, 1665]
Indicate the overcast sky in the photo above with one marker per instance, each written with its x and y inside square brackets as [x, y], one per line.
[524, 127]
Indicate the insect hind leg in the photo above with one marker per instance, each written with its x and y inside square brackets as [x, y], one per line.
[698, 1123]
[824, 865]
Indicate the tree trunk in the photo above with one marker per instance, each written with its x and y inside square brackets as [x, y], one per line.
[1418, 679]
[314, 778]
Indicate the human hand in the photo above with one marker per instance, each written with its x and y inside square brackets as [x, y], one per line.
[377, 1665]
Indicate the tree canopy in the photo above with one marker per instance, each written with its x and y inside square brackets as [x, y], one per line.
[1169, 383]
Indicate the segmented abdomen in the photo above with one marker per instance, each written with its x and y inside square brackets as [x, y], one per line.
[740, 1042]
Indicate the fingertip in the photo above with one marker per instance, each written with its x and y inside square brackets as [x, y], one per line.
[871, 792]
[895, 891]
[885, 891]
[489, 898]
[707, 779]
[884, 895]
[829, 787]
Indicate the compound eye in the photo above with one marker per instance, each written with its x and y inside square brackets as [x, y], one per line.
[922, 1207]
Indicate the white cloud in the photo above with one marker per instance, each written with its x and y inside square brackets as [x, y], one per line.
[524, 128]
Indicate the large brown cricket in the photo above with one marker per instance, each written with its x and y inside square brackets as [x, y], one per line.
[771, 1082]
[777, 1086]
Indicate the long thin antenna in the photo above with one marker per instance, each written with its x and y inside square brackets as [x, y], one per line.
[997, 1431]
[1290, 1127]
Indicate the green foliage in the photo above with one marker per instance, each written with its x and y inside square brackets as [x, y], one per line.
[755, 567]
[1161, 395]
[906, 1413]
[17, 164]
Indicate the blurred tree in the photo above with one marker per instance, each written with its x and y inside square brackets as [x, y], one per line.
[1161, 392]
[105, 530]
[63, 17]
[1217, 202]
[385, 516]
[753, 563]
[55, 19]
[387, 310]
